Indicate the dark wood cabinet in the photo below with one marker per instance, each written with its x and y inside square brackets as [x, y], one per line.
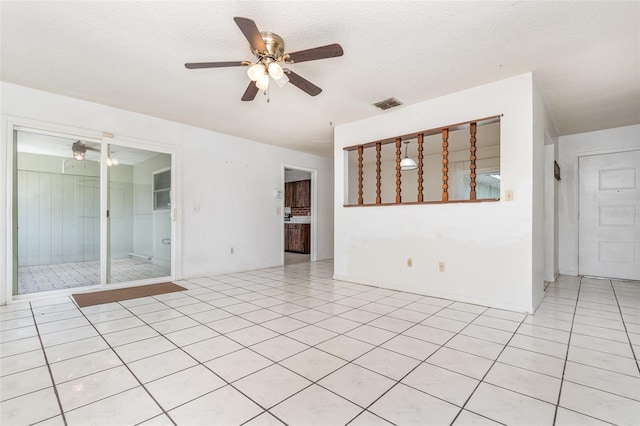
[297, 237]
[289, 194]
[297, 194]
[303, 193]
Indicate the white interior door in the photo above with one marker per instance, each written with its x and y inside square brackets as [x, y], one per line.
[609, 240]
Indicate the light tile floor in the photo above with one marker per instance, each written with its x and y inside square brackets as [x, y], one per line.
[291, 345]
[36, 279]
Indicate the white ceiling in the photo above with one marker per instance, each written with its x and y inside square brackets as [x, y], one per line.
[130, 55]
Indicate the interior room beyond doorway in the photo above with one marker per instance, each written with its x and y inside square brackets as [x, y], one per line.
[297, 216]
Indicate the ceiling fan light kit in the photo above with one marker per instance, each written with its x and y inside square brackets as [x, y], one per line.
[275, 71]
[268, 48]
[79, 150]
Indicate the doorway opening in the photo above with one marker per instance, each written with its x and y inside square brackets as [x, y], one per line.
[298, 215]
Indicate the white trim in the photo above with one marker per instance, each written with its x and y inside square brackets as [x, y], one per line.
[53, 129]
[7, 259]
[439, 294]
[105, 256]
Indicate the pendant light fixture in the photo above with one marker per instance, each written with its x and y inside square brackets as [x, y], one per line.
[407, 163]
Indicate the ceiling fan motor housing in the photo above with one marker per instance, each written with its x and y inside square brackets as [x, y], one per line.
[274, 44]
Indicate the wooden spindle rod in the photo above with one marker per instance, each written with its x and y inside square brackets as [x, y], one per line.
[360, 173]
[398, 173]
[420, 167]
[378, 173]
[445, 164]
[472, 160]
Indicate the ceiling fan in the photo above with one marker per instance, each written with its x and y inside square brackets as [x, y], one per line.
[80, 149]
[268, 48]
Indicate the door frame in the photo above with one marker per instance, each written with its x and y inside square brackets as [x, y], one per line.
[104, 139]
[314, 210]
[576, 190]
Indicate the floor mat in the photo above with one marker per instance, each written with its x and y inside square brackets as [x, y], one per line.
[108, 296]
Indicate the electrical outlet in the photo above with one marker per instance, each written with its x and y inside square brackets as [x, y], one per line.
[232, 250]
[409, 262]
[508, 195]
[441, 266]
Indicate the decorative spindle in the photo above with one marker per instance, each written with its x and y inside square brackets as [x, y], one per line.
[378, 173]
[445, 164]
[420, 171]
[360, 183]
[472, 175]
[398, 173]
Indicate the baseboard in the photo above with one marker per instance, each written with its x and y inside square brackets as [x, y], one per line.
[441, 295]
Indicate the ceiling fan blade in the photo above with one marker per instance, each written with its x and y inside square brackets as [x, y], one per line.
[197, 65]
[251, 32]
[322, 52]
[251, 92]
[302, 84]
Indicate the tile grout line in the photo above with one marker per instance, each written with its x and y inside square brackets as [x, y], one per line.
[360, 324]
[478, 315]
[350, 361]
[408, 302]
[566, 359]
[198, 362]
[487, 372]
[365, 409]
[128, 369]
[46, 360]
[624, 325]
[314, 346]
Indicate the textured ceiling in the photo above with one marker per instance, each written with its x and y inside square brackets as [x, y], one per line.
[130, 55]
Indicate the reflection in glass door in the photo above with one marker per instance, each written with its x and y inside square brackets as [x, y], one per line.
[139, 220]
[62, 187]
[56, 212]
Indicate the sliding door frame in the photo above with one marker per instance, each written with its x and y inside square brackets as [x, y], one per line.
[105, 140]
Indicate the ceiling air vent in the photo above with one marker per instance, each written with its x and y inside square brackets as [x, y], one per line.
[387, 103]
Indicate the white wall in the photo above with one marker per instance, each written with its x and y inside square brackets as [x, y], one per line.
[541, 125]
[488, 247]
[230, 178]
[571, 147]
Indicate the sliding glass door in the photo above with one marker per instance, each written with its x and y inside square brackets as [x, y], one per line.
[139, 220]
[57, 208]
[61, 184]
